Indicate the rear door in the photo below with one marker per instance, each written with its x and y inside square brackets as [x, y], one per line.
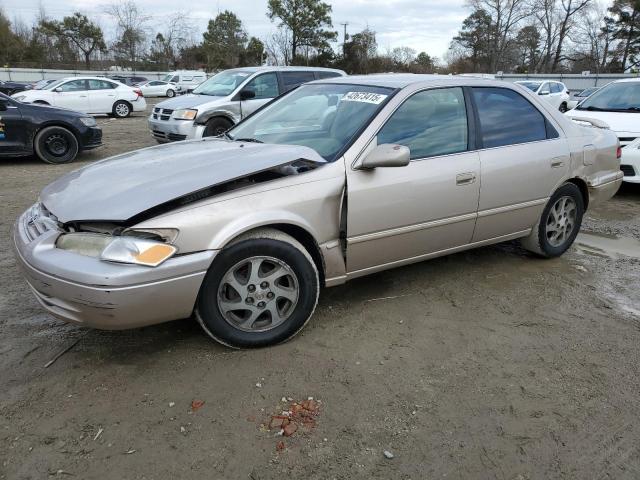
[73, 94]
[265, 87]
[13, 128]
[102, 96]
[523, 160]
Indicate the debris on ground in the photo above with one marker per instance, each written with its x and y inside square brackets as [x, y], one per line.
[280, 446]
[100, 430]
[295, 417]
[196, 405]
[130, 451]
[388, 454]
[171, 404]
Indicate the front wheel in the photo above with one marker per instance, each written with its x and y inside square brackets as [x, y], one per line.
[56, 145]
[259, 291]
[559, 224]
[121, 109]
[171, 93]
[563, 107]
[216, 127]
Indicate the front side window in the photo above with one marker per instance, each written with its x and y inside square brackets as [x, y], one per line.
[324, 117]
[506, 118]
[545, 89]
[430, 123]
[74, 86]
[264, 86]
[615, 97]
[556, 87]
[222, 84]
[293, 79]
[533, 86]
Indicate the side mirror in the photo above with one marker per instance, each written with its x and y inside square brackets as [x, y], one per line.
[247, 94]
[544, 92]
[57, 89]
[387, 155]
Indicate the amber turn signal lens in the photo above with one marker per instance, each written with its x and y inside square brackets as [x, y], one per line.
[155, 255]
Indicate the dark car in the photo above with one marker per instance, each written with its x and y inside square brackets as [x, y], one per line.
[55, 135]
[9, 88]
[130, 81]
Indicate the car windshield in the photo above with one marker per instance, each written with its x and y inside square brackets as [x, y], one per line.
[222, 84]
[533, 86]
[324, 117]
[616, 97]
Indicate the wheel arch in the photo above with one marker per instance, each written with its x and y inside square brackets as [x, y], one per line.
[584, 189]
[295, 230]
[217, 114]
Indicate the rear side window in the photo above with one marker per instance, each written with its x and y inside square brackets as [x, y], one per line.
[101, 85]
[327, 75]
[293, 79]
[506, 118]
[430, 123]
[556, 87]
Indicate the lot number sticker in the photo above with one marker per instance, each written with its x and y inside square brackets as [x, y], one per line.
[364, 97]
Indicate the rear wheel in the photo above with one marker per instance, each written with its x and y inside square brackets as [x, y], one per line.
[171, 93]
[216, 127]
[56, 145]
[559, 224]
[259, 291]
[121, 109]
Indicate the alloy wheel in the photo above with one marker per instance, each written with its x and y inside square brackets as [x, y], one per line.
[561, 221]
[258, 294]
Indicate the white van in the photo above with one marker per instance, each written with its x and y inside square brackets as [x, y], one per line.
[185, 80]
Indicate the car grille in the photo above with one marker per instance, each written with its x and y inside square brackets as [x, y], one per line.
[38, 220]
[173, 137]
[162, 113]
[628, 170]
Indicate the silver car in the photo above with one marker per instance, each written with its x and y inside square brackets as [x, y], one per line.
[337, 179]
[226, 98]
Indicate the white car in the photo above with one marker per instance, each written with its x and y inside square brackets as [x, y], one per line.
[555, 93]
[88, 95]
[580, 96]
[158, 88]
[617, 105]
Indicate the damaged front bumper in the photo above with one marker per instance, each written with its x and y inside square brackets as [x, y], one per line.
[98, 294]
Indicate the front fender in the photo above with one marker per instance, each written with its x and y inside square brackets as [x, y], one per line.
[229, 113]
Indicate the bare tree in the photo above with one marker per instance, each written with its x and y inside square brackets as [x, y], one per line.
[505, 15]
[569, 9]
[278, 47]
[131, 29]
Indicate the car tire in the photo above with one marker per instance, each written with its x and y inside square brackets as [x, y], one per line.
[121, 109]
[56, 145]
[216, 127]
[276, 309]
[559, 223]
[171, 93]
[563, 107]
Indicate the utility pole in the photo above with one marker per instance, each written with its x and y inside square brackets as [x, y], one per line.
[344, 38]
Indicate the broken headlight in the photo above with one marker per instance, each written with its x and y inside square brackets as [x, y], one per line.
[119, 249]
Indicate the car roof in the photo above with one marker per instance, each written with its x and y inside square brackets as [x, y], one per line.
[288, 69]
[624, 80]
[402, 80]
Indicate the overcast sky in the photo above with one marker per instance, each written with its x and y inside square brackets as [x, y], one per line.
[425, 25]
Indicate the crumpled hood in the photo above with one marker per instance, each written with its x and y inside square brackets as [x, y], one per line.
[121, 187]
[190, 100]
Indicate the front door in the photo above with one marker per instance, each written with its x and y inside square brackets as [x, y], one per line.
[265, 87]
[73, 95]
[523, 159]
[13, 131]
[428, 206]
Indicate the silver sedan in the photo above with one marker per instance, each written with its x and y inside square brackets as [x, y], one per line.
[337, 179]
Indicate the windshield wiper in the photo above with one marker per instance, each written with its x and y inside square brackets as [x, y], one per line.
[253, 140]
[592, 109]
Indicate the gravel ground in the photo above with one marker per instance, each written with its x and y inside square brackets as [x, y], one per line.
[483, 364]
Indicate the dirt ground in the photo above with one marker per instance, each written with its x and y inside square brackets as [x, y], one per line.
[485, 364]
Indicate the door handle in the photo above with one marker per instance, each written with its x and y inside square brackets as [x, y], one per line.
[465, 178]
[557, 163]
